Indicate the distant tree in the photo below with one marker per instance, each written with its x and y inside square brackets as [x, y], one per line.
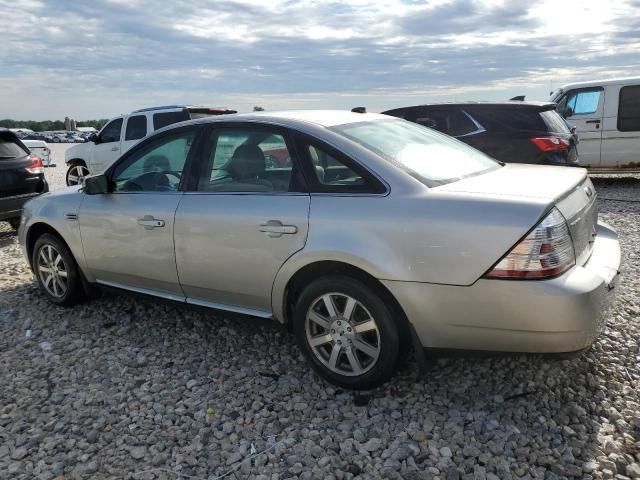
[48, 125]
[258, 109]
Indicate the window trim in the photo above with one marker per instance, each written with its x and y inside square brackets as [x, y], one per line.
[315, 188]
[194, 154]
[619, 104]
[297, 173]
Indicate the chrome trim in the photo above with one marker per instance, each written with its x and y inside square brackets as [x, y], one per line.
[479, 128]
[229, 308]
[144, 291]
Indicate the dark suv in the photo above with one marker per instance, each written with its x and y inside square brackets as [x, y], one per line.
[513, 132]
[21, 177]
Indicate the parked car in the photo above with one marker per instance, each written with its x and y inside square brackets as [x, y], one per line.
[512, 132]
[380, 234]
[40, 149]
[21, 177]
[606, 115]
[121, 133]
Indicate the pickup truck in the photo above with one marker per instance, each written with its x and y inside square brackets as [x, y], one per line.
[122, 133]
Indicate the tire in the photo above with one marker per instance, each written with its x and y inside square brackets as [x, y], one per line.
[355, 351]
[14, 222]
[65, 288]
[75, 173]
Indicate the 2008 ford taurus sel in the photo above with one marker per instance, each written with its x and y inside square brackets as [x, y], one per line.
[365, 233]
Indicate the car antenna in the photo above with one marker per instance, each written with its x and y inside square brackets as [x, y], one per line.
[518, 98]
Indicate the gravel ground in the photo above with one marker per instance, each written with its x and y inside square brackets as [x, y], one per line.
[121, 387]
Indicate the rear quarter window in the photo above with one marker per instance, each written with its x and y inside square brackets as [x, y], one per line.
[554, 122]
[516, 119]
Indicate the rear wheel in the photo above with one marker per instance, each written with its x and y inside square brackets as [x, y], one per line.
[76, 173]
[14, 222]
[56, 270]
[347, 332]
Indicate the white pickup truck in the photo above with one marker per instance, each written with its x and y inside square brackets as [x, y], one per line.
[122, 133]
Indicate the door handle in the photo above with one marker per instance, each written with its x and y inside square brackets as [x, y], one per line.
[275, 228]
[592, 121]
[149, 223]
[115, 149]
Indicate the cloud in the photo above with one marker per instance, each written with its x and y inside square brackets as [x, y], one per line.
[95, 60]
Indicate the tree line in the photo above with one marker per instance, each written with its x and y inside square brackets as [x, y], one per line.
[50, 125]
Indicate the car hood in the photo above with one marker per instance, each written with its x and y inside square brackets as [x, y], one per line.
[519, 180]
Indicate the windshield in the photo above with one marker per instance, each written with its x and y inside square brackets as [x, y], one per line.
[9, 149]
[430, 156]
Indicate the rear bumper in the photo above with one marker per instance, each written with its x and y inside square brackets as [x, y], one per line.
[563, 314]
[11, 207]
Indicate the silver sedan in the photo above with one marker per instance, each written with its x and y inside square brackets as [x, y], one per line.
[367, 235]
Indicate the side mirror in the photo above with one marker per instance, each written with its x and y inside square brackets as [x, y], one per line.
[96, 184]
[568, 112]
[94, 138]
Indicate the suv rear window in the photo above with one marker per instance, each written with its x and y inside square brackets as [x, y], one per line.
[555, 122]
[169, 118]
[9, 148]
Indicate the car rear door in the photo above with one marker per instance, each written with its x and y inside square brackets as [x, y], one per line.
[241, 219]
[583, 108]
[135, 129]
[127, 234]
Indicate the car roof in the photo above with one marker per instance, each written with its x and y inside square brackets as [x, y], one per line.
[508, 104]
[600, 83]
[34, 143]
[324, 118]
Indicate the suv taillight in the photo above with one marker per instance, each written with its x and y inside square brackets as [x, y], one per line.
[550, 144]
[36, 166]
[547, 251]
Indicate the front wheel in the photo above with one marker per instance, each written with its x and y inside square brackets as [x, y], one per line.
[56, 270]
[76, 173]
[347, 332]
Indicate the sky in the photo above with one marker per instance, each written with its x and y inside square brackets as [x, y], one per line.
[92, 60]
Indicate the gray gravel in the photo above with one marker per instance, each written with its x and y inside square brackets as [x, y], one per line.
[120, 387]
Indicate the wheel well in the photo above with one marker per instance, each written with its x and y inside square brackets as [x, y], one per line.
[310, 272]
[76, 161]
[34, 232]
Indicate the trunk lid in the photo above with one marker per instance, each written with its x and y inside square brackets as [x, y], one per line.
[568, 188]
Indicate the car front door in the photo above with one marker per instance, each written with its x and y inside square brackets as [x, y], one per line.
[244, 216]
[107, 149]
[583, 108]
[127, 234]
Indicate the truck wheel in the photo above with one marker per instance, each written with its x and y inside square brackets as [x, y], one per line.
[76, 173]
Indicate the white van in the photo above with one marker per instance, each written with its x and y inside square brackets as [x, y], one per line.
[606, 115]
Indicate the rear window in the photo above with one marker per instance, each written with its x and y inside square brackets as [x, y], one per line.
[431, 157]
[554, 121]
[9, 149]
[169, 118]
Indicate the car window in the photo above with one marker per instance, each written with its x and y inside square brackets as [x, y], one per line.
[247, 160]
[136, 127]
[156, 168]
[111, 132]
[429, 156]
[163, 119]
[452, 121]
[629, 109]
[580, 102]
[554, 121]
[333, 175]
[460, 123]
[9, 148]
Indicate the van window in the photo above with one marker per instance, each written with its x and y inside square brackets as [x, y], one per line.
[580, 102]
[629, 109]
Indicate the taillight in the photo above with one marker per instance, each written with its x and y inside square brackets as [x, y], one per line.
[551, 144]
[36, 166]
[547, 251]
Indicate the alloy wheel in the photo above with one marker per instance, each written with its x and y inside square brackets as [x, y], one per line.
[52, 271]
[76, 174]
[342, 334]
